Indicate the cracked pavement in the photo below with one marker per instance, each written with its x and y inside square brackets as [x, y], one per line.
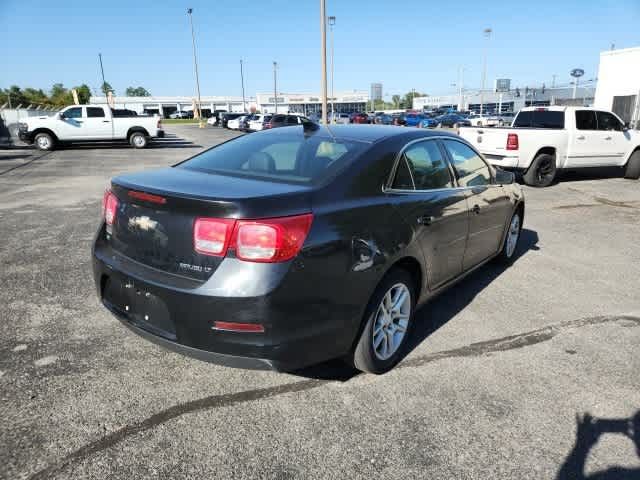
[498, 369]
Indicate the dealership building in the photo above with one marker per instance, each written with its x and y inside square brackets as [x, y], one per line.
[619, 84]
[308, 103]
[165, 106]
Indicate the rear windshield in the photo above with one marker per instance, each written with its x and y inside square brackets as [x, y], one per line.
[540, 119]
[283, 157]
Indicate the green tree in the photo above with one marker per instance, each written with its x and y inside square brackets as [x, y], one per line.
[395, 99]
[60, 96]
[106, 87]
[407, 100]
[13, 96]
[137, 92]
[84, 93]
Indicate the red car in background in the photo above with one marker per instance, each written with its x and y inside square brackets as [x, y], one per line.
[360, 118]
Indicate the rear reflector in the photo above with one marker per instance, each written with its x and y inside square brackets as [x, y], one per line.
[211, 235]
[147, 197]
[239, 327]
[512, 141]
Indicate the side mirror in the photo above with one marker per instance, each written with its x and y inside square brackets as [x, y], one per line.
[61, 116]
[504, 178]
[626, 126]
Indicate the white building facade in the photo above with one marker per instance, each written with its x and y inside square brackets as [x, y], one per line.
[306, 103]
[165, 106]
[619, 84]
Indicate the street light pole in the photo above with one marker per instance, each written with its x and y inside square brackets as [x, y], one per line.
[323, 59]
[487, 34]
[244, 104]
[332, 22]
[275, 86]
[102, 71]
[195, 64]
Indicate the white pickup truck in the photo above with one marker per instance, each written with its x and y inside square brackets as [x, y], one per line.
[81, 123]
[543, 140]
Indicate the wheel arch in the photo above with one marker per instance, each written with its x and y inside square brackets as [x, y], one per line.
[44, 130]
[133, 130]
[637, 149]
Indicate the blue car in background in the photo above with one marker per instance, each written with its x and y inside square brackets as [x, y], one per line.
[428, 122]
[413, 119]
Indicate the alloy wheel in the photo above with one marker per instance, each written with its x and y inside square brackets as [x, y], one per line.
[512, 235]
[391, 321]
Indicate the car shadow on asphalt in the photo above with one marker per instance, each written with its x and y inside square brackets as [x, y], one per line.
[588, 431]
[430, 317]
[169, 141]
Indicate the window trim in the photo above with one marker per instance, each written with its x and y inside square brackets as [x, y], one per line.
[387, 187]
[596, 112]
[492, 172]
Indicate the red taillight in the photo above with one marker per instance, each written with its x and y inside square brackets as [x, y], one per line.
[239, 327]
[109, 209]
[266, 125]
[512, 141]
[147, 197]
[268, 240]
[211, 235]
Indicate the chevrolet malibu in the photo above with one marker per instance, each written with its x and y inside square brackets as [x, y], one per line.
[301, 244]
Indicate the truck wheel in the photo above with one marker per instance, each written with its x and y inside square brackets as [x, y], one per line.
[632, 171]
[542, 171]
[388, 319]
[44, 141]
[138, 140]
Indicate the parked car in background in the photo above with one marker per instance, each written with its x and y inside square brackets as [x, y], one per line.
[282, 120]
[360, 117]
[398, 119]
[283, 249]
[384, 119]
[244, 123]
[413, 119]
[453, 120]
[499, 120]
[337, 117]
[428, 121]
[543, 140]
[258, 122]
[234, 123]
[181, 114]
[225, 117]
[79, 123]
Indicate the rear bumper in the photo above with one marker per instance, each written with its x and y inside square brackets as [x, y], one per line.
[507, 162]
[179, 314]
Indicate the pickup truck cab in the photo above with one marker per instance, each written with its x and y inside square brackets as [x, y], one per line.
[543, 140]
[81, 123]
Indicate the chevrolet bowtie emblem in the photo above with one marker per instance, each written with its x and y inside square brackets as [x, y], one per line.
[143, 223]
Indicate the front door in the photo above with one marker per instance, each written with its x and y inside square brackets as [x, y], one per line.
[70, 127]
[489, 204]
[616, 142]
[427, 200]
[96, 126]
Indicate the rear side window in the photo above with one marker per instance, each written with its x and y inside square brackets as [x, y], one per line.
[427, 166]
[586, 120]
[472, 170]
[540, 119]
[93, 112]
[267, 118]
[607, 121]
[278, 118]
[292, 120]
[289, 157]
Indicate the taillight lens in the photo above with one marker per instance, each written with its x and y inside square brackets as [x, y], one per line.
[268, 240]
[211, 235]
[266, 125]
[512, 141]
[109, 209]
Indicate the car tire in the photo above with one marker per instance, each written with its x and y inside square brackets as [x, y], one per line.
[632, 170]
[386, 329]
[511, 238]
[138, 140]
[439, 125]
[44, 141]
[479, 124]
[455, 125]
[541, 172]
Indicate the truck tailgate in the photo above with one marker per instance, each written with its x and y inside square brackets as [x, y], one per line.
[488, 141]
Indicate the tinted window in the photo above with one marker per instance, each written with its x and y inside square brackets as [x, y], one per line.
[427, 165]
[94, 112]
[540, 119]
[403, 180]
[278, 118]
[75, 112]
[472, 171]
[267, 118]
[289, 157]
[292, 119]
[607, 121]
[586, 120]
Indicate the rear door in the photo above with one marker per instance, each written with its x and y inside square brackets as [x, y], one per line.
[96, 125]
[586, 144]
[616, 142]
[426, 198]
[489, 204]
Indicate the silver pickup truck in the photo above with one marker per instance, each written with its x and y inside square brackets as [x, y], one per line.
[81, 123]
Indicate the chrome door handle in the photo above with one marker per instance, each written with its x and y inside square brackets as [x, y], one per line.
[581, 137]
[106, 121]
[607, 138]
[425, 220]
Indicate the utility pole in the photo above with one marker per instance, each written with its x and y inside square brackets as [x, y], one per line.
[553, 80]
[195, 64]
[102, 71]
[244, 104]
[460, 88]
[323, 59]
[332, 22]
[487, 35]
[275, 86]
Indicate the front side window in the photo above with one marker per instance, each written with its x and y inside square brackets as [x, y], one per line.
[472, 170]
[608, 121]
[95, 112]
[75, 112]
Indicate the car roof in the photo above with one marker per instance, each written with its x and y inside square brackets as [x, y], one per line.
[366, 133]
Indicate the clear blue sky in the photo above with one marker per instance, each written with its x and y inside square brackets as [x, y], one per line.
[403, 44]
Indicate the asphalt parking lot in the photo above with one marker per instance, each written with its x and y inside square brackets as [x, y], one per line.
[499, 367]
